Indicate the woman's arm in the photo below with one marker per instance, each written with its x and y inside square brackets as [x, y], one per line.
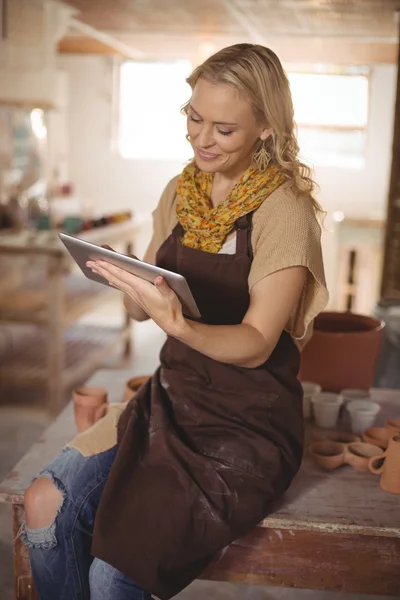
[273, 301]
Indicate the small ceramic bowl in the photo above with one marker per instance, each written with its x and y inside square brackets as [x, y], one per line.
[378, 436]
[394, 426]
[359, 454]
[328, 455]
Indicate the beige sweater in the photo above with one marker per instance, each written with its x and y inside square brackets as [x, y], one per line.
[285, 233]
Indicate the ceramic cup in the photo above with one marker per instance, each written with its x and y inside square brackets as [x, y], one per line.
[309, 390]
[132, 386]
[90, 405]
[350, 394]
[362, 414]
[326, 406]
[379, 436]
[388, 465]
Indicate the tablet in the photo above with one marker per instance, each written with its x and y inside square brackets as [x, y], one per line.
[82, 251]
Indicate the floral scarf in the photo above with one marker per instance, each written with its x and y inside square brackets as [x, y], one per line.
[206, 227]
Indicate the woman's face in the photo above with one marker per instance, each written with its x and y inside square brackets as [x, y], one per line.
[222, 128]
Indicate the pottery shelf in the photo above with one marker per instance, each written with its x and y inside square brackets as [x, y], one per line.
[30, 305]
[84, 347]
[44, 298]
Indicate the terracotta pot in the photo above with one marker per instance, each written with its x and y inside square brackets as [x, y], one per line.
[343, 352]
[132, 386]
[388, 464]
[359, 454]
[378, 436]
[90, 405]
[393, 425]
[328, 455]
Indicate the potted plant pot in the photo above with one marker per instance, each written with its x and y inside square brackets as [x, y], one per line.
[343, 352]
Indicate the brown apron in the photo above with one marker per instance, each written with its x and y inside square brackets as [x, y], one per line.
[204, 447]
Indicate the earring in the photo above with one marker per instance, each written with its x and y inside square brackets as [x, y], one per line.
[262, 158]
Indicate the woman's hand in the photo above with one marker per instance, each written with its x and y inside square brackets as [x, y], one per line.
[158, 300]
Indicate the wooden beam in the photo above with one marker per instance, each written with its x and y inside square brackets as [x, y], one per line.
[105, 38]
[311, 50]
[74, 44]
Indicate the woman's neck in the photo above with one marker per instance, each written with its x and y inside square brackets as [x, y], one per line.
[223, 184]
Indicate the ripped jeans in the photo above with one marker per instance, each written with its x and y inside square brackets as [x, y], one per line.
[62, 565]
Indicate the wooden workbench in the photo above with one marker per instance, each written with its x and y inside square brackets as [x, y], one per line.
[332, 531]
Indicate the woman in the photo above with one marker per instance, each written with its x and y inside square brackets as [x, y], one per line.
[216, 435]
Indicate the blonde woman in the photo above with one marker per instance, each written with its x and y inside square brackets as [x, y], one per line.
[216, 435]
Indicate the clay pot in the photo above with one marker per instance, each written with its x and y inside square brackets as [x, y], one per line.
[343, 352]
[332, 455]
[328, 455]
[359, 454]
[90, 405]
[393, 425]
[388, 464]
[378, 436]
[132, 386]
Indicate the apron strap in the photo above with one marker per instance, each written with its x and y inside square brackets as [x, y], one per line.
[243, 243]
[178, 231]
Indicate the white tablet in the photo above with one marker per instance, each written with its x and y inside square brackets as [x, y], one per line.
[82, 251]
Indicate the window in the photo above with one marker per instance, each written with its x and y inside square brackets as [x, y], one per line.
[331, 112]
[150, 123]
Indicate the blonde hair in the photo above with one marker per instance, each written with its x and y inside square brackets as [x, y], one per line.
[256, 72]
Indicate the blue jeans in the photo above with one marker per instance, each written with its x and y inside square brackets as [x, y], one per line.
[62, 565]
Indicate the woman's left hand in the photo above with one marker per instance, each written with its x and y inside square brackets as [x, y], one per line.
[158, 300]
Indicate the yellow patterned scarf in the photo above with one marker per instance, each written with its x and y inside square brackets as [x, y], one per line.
[206, 227]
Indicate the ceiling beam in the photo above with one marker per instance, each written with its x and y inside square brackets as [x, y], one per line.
[125, 50]
[79, 44]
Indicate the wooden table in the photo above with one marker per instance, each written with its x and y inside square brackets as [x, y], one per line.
[44, 355]
[332, 531]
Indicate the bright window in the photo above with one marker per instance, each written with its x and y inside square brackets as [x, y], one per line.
[150, 123]
[331, 112]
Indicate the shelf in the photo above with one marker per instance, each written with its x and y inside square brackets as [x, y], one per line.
[24, 356]
[29, 305]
